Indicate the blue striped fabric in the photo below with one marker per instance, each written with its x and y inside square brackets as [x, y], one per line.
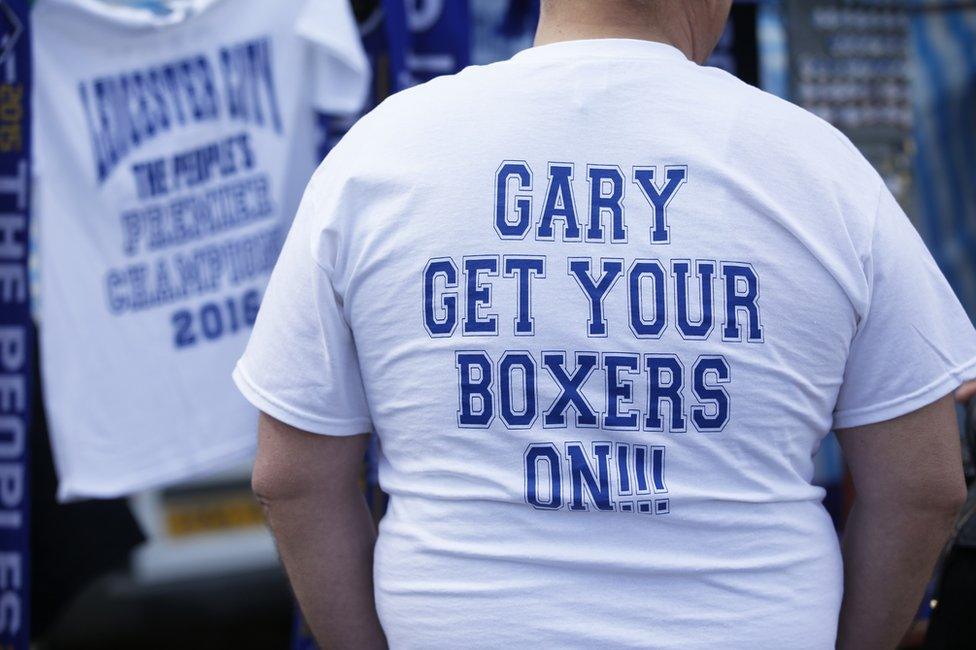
[943, 52]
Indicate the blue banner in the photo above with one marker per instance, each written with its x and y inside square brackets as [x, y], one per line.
[408, 42]
[426, 39]
[16, 333]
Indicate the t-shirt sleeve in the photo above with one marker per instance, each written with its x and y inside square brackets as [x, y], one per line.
[915, 343]
[301, 365]
[339, 67]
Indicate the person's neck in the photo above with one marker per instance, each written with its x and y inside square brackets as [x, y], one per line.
[554, 31]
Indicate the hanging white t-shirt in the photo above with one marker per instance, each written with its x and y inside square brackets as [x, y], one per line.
[171, 152]
[601, 305]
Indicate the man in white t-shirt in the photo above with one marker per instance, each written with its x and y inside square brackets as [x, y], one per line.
[600, 305]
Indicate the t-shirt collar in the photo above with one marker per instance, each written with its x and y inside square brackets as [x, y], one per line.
[624, 48]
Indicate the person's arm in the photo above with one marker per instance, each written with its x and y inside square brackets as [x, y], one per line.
[966, 392]
[908, 479]
[309, 487]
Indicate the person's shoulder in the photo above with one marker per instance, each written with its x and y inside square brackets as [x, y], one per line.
[790, 131]
[451, 94]
[785, 143]
[400, 123]
[765, 116]
[422, 117]
[793, 156]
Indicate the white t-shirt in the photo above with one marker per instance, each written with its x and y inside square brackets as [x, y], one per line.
[601, 305]
[171, 153]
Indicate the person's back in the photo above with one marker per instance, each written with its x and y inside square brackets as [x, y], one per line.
[605, 304]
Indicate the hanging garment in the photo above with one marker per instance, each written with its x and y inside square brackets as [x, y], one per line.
[172, 148]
